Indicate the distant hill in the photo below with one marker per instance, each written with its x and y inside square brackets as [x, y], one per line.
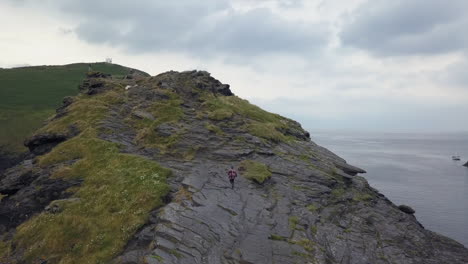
[28, 95]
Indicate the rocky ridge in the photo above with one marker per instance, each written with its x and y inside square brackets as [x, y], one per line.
[308, 206]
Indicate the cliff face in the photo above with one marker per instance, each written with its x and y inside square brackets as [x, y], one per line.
[134, 170]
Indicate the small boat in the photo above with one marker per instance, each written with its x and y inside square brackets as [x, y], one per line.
[455, 157]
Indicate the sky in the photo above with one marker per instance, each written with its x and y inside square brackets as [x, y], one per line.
[377, 65]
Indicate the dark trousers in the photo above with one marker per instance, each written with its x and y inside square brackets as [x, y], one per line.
[232, 183]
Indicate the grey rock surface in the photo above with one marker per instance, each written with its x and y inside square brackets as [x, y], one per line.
[406, 209]
[30, 187]
[313, 210]
[42, 143]
[143, 114]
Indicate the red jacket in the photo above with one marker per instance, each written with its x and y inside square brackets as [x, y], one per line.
[232, 174]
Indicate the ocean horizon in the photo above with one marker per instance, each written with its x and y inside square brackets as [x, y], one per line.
[415, 169]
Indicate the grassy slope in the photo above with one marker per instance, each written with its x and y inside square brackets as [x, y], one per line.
[114, 200]
[28, 95]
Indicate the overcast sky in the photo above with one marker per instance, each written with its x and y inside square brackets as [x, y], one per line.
[375, 65]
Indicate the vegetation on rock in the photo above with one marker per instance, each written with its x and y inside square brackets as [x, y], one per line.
[255, 171]
[117, 194]
[30, 94]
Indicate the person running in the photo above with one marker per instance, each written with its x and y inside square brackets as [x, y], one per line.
[232, 174]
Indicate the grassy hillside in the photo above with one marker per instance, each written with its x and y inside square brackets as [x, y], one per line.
[28, 95]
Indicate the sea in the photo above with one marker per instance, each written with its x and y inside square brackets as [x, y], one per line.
[412, 169]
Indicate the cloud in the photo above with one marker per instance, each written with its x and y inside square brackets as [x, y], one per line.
[199, 28]
[401, 27]
[272, 52]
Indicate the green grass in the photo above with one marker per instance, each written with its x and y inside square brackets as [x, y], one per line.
[165, 111]
[255, 171]
[28, 95]
[260, 123]
[277, 237]
[293, 221]
[117, 194]
[86, 112]
[266, 130]
[312, 207]
[338, 192]
[362, 197]
[220, 114]
[313, 229]
[215, 129]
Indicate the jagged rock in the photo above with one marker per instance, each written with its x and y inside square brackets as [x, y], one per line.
[294, 129]
[9, 159]
[200, 79]
[406, 209]
[313, 209]
[349, 169]
[61, 111]
[95, 83]
[32, 189]
[57, 205]
[166, 129]
[143, 115]
[42, 143]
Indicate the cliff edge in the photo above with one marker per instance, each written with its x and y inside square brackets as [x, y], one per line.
[134, 170]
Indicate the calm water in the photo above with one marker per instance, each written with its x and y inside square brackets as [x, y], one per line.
[416, 170]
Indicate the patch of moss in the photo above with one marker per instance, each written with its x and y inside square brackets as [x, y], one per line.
[240, 139]
[5, 251]
[313, 229]
[158, 258]
[166, 111]
[182, 195]
[220, 114]
[277, 237]
[304, 157]
[307, 244]
[86, 112]
[191, 153]
[362, 197]
[2, 196]
[293, 221]
[175, 253]
[265, 130]
[338, 192]
[255, 171]
[300, 254]
[259, 122]
[213, 128]
[312, 207]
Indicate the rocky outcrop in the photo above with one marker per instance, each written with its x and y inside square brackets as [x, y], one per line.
[62, 110]
[466, 164]
[25, 190]
[312, 207]
[95, 83]
[42, 143]
[143, 115]
[406, 209]
[9, 159]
